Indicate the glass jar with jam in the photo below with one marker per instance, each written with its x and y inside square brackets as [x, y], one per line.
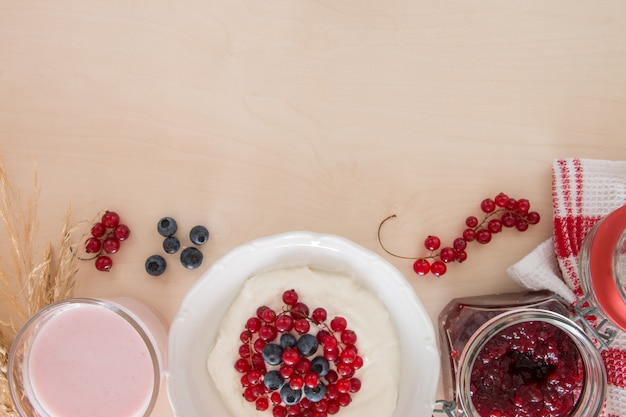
[533, 354]
[519, 354]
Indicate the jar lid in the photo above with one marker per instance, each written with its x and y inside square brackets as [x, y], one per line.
[607, 256]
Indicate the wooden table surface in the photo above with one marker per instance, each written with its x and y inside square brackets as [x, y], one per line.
[259, 117]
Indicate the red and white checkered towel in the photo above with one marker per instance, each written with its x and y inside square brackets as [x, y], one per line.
[583, 192]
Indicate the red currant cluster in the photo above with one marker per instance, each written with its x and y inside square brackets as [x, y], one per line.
[499, 213]
[106, 237]
[297, 373]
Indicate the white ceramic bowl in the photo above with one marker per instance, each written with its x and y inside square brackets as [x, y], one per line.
[190, 388]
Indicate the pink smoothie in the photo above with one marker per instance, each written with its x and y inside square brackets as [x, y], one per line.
[89, 361]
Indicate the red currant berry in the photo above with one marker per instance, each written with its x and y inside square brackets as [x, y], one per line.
[103, 263]
[311, 379]
[521, 225]
[279, 411]
[348, 337]
[421, 267]
[357, 363]
[296, 382]
[253, 324]
[290, 356]
[259, 344]
[331, 390]
[483, 236]
[111, 245]
[93, 245]
[523, 206]
[459, 244]
[260, 310]
[275, 398]
[284, 323]
[343, 385]
[447, 255]
[344, 370]
[329, 342]
[338, 324]
[344, 399]
[249, 394]
[533, 217]
[321, 336]
[355, 385]
[508, 219]
[299, 310]
[432, 243]
[245, 382]
[245, 336]
[469, 235]
[438, 268]
[461, 256]
[488, 205]
[257, 361]
[501, 200]
[332, 407]
[110, 219]
[244, 351]
[494, 225]
[348, 356]
[242, 365]
[98, 230]
[121, 232]
[331, 354]
[512, 204]
[262, 403]
[286, 371]
[255, 376]
[332, 376]
[319, 315]
[303, 366]
[471, 222]
[290, 297]
[268, 333]
[301, 326]
[294, 410]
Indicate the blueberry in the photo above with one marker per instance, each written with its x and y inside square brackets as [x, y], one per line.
[273, 380]
[167, 226]
[320, 365]
[289, 395]
[171, 244]
[307, 344]
[287, 340]
[316, 393]
[155, 265]
[272, 354]
[191, 258]
[199, 235]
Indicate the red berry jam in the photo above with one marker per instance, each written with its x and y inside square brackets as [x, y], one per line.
[519, 354]
[528, 369]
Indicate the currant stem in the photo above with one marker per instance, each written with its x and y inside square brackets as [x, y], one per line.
[493, 213]
[383, 246]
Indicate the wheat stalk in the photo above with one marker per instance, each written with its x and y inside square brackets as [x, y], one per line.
[29, 279]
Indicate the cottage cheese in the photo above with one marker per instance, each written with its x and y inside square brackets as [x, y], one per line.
[340, 295]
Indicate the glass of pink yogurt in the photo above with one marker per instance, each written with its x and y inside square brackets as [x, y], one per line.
[88, 357]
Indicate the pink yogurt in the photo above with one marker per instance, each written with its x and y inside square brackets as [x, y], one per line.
[94, 358]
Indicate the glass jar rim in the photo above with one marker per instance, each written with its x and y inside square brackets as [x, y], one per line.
[591, 400]
[111, 306]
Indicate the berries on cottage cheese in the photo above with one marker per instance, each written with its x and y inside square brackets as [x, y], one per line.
[289, 366]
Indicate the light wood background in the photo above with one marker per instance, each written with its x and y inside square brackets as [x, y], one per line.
[256, 117]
